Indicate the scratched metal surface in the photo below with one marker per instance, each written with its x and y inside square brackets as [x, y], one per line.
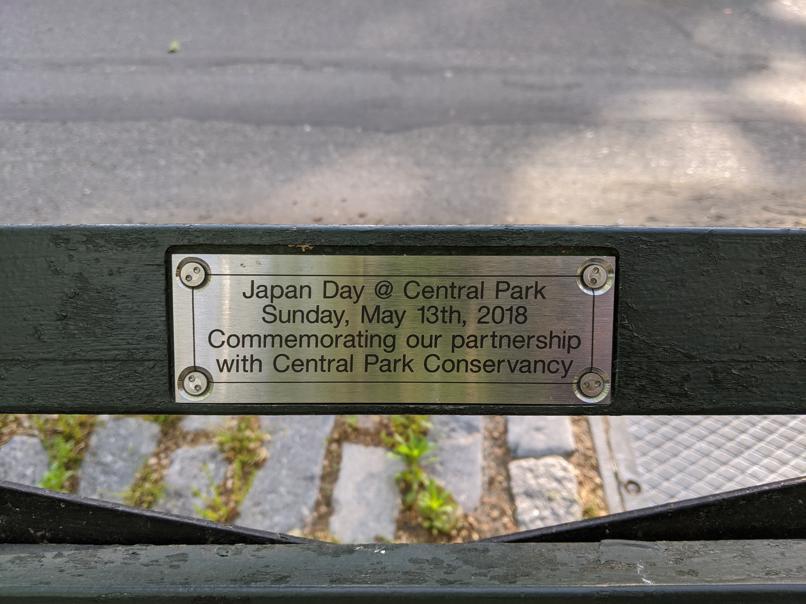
[680, 457]
[220, 322]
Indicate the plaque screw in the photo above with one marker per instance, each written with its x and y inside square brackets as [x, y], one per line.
[195, 383]
[594, 276]
[591, 384]
[192, 274]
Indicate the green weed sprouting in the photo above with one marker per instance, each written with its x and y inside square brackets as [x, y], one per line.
[436, 508]
[65, 438]
[147, 488]
[242, 444]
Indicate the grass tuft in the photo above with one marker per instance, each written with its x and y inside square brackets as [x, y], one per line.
[407, 439]
[65, 438]
[242, 443]
[10, 425]
[147, 487]
[164, 420]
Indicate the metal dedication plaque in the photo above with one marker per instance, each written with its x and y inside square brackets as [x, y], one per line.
[392, 329]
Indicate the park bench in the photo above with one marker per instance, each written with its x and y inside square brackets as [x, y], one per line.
[136, 319]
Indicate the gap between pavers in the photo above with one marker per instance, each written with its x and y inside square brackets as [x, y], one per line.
[285, 489]
[23, 459]
[366, 499]
[118, 448]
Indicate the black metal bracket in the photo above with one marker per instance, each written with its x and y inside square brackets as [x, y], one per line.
[771, 511]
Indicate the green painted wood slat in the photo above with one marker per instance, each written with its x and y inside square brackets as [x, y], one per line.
[707, 321]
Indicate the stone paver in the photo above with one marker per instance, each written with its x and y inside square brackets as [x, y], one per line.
[23, 459]
[203, 423]
[545, 491]
[366, 499]
[191, 478]
[285, 489]
[536, 436]
[118, 448]
[458, 441]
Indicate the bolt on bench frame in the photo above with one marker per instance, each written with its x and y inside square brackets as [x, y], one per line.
[707, 321]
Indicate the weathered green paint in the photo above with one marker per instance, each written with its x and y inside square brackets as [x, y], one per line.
[614, 571]
[708, 320]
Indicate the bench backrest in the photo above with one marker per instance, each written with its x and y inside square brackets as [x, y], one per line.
[705, 320]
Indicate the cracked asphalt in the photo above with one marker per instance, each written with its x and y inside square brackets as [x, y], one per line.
[456, 111]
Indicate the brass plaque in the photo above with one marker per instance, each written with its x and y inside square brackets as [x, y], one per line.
[529, 330]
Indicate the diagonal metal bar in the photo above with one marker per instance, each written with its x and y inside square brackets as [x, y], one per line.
[33, 515]
[776, 510]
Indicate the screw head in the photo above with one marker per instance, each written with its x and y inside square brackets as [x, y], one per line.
[632, 487]
[594, 276]
[195, 383]
[591, 384]
[192, 274]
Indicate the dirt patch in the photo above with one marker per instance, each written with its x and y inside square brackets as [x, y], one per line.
[496, 514]
[364, 429]
[343, 429]
[13, 424]
[591, 492]
[66, 439]
[146, 488]
[242, 444]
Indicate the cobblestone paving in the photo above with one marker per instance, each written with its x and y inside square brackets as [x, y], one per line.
[191, 479]
[203, 423]
[545, 491]
[458, 454]
[543, 483]
[117, 450]
[535, 436]
[23, 459]
[284, 491]
[366, 500]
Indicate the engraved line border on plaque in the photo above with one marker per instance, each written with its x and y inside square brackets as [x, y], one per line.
[193, 321]
[382, 275]
[395, 382]
[593, 327]
[393, 275]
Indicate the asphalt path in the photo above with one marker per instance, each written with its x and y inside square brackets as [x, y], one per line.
[452, 112]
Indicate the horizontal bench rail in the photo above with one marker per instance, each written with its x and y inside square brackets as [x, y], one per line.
[611, 571]
[707, 321]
